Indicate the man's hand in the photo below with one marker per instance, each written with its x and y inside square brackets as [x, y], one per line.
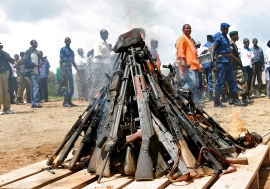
[184, 64]
[214, 69]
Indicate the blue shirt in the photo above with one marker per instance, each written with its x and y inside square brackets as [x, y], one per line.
[44, 69]
[207, 64]
[67, 54]
[223, 46]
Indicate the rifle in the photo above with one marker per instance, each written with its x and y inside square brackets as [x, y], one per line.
[113, 123]
[82, 127]
[197, 140]
[172, 121]
[88, 137]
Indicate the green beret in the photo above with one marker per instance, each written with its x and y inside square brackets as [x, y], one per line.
[233, 32]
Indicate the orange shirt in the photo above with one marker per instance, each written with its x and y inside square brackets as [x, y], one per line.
[186, 49]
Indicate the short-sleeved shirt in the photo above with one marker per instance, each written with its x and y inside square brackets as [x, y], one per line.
[186, 49]
[101, 52]
[223, 47]
[67, 54]
[44, 69]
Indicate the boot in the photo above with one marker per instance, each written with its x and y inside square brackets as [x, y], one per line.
[211, 98]
[70, 103]
[246, 100]
[65, 103]
[224, 98]
[217, 102]
[237, 102]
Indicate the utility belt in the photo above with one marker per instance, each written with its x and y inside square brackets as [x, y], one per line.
[223, 55]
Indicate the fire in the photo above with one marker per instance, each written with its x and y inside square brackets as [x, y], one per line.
[236, 126]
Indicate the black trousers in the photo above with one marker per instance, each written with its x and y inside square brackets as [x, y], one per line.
[43, 88]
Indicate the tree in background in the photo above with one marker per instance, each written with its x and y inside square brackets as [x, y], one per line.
[52, 85]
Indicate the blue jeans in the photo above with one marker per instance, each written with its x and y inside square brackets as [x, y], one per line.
[225, 73]
[191, 83]
[70, 80]
[35, 96]
[208, 76]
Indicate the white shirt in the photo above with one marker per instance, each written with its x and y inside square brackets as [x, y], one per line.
[267, 63]
[101, 48]
[246, 57]
[34, 59]
[81, 62]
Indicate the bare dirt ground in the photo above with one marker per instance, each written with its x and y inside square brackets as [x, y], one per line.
[31, 135]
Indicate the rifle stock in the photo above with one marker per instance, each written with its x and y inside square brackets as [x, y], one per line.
[134, 137]
[129, 166]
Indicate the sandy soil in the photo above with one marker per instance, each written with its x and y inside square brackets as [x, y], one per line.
[31, 135]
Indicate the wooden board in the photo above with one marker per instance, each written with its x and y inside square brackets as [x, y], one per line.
[24, 172]
[76, 180]
[157, 183]
[116, 181]
[245, 174]
[201, 183]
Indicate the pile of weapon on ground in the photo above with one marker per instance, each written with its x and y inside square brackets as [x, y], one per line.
[139, 125]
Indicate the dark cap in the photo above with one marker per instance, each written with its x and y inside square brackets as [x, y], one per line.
[268, 44]
[233, 32]
[209, 36]
[224, 25]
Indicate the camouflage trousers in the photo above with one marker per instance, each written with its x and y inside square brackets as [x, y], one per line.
[240, 79]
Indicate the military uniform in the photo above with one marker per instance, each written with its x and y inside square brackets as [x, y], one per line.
[224, 68]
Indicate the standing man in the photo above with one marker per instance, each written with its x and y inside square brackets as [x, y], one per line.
[43, 77]
[188, 60]
[23, 82]
[246, 62]
[238, 69]
[267, 67]
[153, 52]
[224, 70]
[257, 59]
[5, 59]
[208, 70]
[31, 60]
[66, 62]
[81, 62]
[101, 64]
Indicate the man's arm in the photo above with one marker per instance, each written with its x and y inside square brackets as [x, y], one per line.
[27, 60]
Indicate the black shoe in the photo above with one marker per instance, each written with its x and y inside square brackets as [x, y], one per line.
[19, 102]
[70, 103]
[231, 101]
[65, 104]
[217, 103]
[224, 99]
[236, 100]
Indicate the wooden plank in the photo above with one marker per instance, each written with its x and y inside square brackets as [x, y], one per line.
[40, 179]
[116, 181]
[76, 180]
[255, 182]
[245, 174]
[157, 183]
[201, 183]
[24, 172]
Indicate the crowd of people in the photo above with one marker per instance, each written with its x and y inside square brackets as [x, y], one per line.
[230, 72]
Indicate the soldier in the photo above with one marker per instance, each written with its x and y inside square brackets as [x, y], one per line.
[66, 62]
[224, 70]
[238, 70]
[23, 82]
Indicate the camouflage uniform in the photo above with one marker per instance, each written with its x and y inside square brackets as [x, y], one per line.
[238, 72]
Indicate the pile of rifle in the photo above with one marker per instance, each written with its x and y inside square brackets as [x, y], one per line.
[139, 125]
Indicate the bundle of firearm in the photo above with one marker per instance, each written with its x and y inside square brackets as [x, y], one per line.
[140, 125]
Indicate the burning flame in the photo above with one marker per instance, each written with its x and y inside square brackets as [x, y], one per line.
[236, 126]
